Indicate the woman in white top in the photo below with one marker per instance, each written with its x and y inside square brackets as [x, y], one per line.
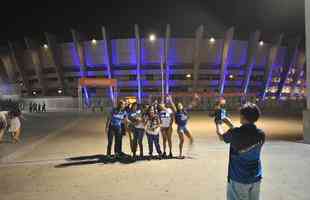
[136, 118]
[152, 131]
[166, 118]
[14, 128]
[10, 120]
[3, 123]
[15, 125]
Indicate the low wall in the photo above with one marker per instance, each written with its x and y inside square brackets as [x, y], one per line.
[53, 103]
[59, 104]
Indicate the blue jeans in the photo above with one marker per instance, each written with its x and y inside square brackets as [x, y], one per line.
[138, 139]
[240, 191]
[153, 139]
[116, 133]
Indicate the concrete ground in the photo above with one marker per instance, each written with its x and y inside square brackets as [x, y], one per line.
[31, 170]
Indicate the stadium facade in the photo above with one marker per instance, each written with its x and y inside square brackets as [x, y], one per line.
[203, 64]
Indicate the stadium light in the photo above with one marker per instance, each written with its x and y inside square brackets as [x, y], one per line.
[212, 40]
[261, 43]
[94, 41]
[152, 37]
[45, 46]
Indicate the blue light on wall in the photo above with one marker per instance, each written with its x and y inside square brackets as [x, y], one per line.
[172, 52]
[86, 95]
[90, 54]
[155, 52]
[238, 53]
[128, 55]
[75, 55]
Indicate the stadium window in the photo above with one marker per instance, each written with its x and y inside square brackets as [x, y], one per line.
[30, 72]
[70, 79]
[132, 77]
[49, 70]
[150, 77]
[33, 81]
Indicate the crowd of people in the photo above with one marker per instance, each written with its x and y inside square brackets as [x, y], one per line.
[154, 120]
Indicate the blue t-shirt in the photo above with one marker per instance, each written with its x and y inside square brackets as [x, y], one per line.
[181, 118]
[117, 117]
[134, 116]
[244, 156]
[219, 115]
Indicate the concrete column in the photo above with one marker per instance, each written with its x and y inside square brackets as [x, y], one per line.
[36, 59]
[16, 55]
[56, 58]
[138, 57]
[307, 112]
[229, 35]
[290, 62]
[4, 78]
[167, 42]
[252, 51]
[307, 7]
[269, 67]
[198, 42]
[78, 45]
[79, 49]
[9, 68]
[300, 68]
[80, 97]
[108, 61]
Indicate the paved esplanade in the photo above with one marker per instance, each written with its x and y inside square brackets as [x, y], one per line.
[31, 173]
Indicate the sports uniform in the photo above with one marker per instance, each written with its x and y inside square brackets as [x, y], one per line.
[181, 119]
[115, 130]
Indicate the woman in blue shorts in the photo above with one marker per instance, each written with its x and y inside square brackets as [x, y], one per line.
[181, 119]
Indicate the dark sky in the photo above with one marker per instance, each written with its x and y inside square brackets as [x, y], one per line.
[32, 18]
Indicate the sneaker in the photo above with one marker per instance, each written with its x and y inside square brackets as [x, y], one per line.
[164, 155]
[170, 155]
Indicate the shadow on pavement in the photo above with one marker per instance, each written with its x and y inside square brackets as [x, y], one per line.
[6, 142]
[104, 159]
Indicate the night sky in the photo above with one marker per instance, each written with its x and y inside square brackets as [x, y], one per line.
[33, 18]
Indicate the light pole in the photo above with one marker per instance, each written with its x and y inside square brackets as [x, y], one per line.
[306, 114]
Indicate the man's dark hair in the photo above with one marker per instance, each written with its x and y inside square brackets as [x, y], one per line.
[250, 112]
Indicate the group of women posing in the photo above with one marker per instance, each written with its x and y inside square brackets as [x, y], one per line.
[151, 120]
